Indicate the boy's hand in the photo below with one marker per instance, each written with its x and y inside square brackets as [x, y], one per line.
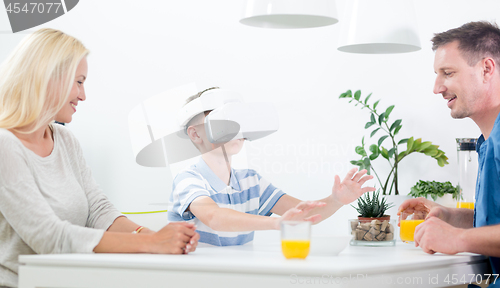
[301, 213]
[193, 243]
[350, 189]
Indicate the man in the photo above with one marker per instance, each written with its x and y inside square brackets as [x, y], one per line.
[467, 64]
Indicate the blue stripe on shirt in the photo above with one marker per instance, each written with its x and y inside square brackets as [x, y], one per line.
[244, 173]
[216, 240]
[237, 197]
[267, 211]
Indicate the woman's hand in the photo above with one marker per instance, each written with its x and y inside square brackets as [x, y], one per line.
[350, 188]
[175, 238]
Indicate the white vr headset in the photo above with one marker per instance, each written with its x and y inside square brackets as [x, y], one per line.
[230, 118]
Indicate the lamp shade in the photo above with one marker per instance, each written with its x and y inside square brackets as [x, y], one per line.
[289, 14]
[155, 135]
[379, 27]
[153, 127]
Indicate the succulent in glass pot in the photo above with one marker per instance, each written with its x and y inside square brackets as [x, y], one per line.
[372, 223]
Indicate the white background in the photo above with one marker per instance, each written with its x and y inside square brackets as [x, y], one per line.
[142, 48]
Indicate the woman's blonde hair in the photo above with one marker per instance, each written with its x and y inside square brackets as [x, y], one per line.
[36, 79]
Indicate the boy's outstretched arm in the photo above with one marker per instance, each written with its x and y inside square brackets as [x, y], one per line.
[225, 219]
[343, 193]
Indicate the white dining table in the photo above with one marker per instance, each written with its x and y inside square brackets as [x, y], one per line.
[255, 266]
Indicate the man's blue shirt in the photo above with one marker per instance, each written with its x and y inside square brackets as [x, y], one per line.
[487, 208]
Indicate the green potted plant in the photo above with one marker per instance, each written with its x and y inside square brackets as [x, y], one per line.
[373, 208]
[438, 191]
[387, 145]
[372, 225]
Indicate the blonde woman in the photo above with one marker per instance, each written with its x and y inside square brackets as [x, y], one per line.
[49, 202]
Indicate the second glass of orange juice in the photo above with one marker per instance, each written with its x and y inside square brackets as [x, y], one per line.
[295, 239]
[468, 205]
[408, 222]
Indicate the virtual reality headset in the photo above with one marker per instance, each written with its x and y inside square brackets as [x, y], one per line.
[230, 118]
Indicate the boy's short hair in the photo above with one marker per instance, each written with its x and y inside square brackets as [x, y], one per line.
[197, 95]
[197, 117]
[476, 40]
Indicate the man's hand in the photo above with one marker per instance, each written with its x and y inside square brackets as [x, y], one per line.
[426, 206]
[435, 235]
[350, 188]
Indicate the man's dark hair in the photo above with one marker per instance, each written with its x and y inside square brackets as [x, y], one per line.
[476, 40]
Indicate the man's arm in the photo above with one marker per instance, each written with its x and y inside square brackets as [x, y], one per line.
[458, 217]
[483, 240]
[435, 235]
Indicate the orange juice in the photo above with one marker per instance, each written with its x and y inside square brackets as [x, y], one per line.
[295, 248]
[407, 229]
[468, 205]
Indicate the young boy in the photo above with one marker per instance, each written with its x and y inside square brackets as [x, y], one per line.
[227, 205]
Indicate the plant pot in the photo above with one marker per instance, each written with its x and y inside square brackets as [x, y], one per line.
[447, 201]
[369, 219]
[379, 231]
[397, 200]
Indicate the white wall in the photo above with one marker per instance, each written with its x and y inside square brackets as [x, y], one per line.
[142, 48]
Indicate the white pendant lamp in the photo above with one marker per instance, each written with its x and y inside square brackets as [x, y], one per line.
[379, 27]
[289, 14]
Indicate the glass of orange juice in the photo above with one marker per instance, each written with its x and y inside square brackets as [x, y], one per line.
[408, 221]
[468, 205]
[295, 239]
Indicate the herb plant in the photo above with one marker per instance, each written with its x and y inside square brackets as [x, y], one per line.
[434, 189]
[379, 122]
[372, 207]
